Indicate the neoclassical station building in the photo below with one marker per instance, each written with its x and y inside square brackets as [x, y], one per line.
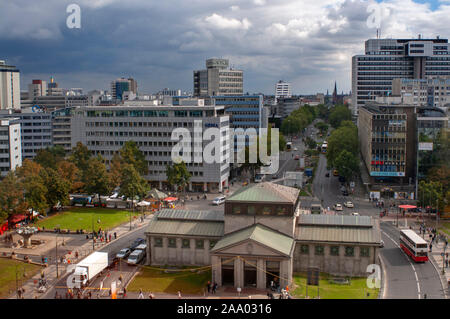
[261, 236]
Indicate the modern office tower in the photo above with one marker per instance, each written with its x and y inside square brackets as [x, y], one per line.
[37, 88]
[283, 89]
[387, 135]
[9, 86]
[119, 86]
[105, 129]
[432, 130]
[387, 59]
[35, 128]
[61, 128]
[10, 148]
[218, 79]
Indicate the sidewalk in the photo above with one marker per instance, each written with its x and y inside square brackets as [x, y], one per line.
[50, 272]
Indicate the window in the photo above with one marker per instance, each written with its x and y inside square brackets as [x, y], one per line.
[334, 250]
[199, 244]
[304, 249]
[186, 243]
[251, 210]
[281, 211]
[172, 243]
[212, 243]
[267, 210]
[349, 251]
[319, 250]
[364, 252]
[236, 209]
[158, 242]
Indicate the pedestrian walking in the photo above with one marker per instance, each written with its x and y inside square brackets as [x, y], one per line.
[431, 247]
[124, 292]
[446, 263]
[215, 288]
[179, 294]
[141, 295]
[115, 235]
[208, 286]
[151, 296]
[110, 237]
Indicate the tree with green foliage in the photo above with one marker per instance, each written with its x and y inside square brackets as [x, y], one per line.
[131, 154]
[322, 127]
[292, 125]
[343, 138]
[57, 187]
[32, 183]
[12, 201]
[132, 184]
[322, 112]
[178, 175]
[347, 164]
[80, 156]
[338, 114]
[431, 194]
[50, 156]
[97, 178]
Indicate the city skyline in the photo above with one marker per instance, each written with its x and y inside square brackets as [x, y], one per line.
[309, 44]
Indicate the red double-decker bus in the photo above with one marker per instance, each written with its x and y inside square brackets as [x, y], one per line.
[414, 245]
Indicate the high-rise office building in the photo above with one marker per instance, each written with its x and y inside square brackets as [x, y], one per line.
[10, 148]
[37, 88]
[218, 79]
[9, 86]
[283, 89]
[119, 86]
[387, 59]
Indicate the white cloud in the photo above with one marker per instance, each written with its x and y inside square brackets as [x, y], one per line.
[234, 8]
[259, 2]
[221, 22]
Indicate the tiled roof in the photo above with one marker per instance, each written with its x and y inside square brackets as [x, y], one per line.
[193, 215]
[335, 220]
[260, 234]
[339, 233]
[266, 192]
[185, 228]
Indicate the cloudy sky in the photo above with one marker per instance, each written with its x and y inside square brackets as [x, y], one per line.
[160, 42]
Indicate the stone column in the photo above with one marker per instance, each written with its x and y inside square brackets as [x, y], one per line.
[261, 274]
[216, 263]
[205, 187]
[220, 186]
[160, 185]
[190, 186]
[192, 251]
[179, 254]
[165, 251]
[238, 273]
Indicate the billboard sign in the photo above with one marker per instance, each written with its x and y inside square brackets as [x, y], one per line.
[392, 174]
[425, 146]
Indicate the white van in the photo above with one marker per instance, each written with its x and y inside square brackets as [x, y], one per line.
[136, 257]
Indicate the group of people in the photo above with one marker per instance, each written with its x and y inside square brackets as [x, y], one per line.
[103, 236]
[211, 288]
[141, 295]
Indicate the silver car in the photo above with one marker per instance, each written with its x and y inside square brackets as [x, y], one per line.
[124, 253]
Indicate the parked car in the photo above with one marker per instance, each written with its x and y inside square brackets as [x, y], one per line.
[344, 193]
[327, 175]
[355, 214]
[297, 157]
[137, 242]
[136, 256]
[218, 200]
[295, 149]
[349, 204]
[381, 244]
[259, 178]
[123, 253]
[341, 179]
[338, 207]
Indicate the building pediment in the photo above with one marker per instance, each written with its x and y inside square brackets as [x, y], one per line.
[249, 248]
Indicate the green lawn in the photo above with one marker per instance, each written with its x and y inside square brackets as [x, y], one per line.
[445, 226]
[153, 280]
[356, 290]
[81, 218]
[8, 275]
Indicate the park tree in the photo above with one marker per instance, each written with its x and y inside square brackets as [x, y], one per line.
[57, 187]
[80, 156]
[131, 154]
[343, 138]
[50, 156]
[115, 170]
[432, 194]
[70, 172]
[347, 164]
[292, 125]
[178, 175]
[322, 112]
[97, 178]
[32, 183]
[322, 127]
[338, 114]
[12, 200]
[132, 184]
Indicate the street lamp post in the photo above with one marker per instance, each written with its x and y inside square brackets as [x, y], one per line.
[443, 259]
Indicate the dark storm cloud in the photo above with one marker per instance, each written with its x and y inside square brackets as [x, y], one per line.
[160, 43]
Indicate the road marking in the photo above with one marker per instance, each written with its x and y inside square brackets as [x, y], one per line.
[407, 257]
